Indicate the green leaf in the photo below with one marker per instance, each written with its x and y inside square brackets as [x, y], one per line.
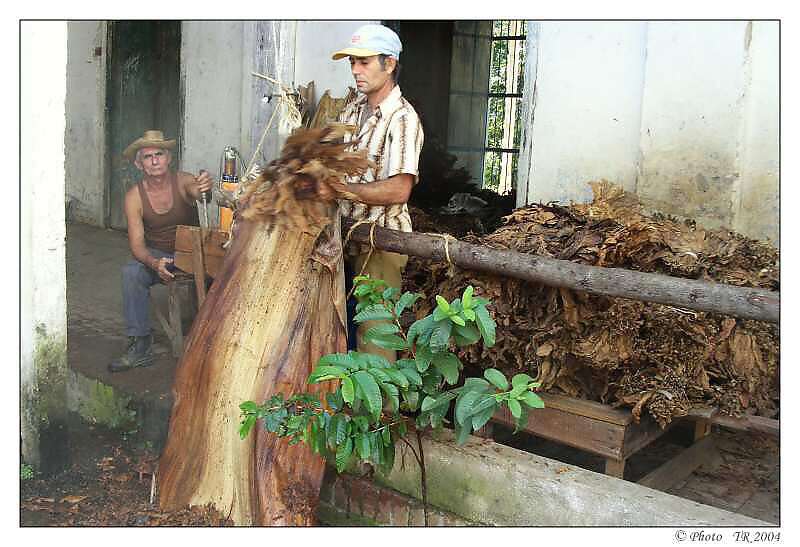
[497, 378]
[411, 399]
[440, 337]
[246, 426]
[362, 446]
[457, 320]
[466, 300]
[397, 377]
[382, 329]
[522, 420]
[533, 400]
[412, 375]
[249, 407]
[387, 453]
[375, 361]
[341, 431]
[332, 430]
[462, 433]
[476, 384]
[336, 400]
[429, 403]
[348, 390]
[514, 407]
[374, 312]
[486, 325]
[338, 359]
[379, 375]
[370, 392]
[464, 405]
[442, 304]
[408, 299]
[389, 341]
[393, 394]
[449, 365]
[390, 293]
[324, 373]
[418, 327]
[469, 314]
[362, 289]
[466, 335]
[521, 379]
[424, 358]
[343, 454]
[482, 415]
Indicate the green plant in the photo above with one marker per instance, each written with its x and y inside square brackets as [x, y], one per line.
[376, 403]
[25, 472]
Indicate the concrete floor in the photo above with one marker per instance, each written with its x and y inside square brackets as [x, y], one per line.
[742, 480]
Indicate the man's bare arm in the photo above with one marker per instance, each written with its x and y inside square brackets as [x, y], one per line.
[133, 213]
[391, 191]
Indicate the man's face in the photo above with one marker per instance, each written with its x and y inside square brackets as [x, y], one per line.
[153, 161]
[368, 73]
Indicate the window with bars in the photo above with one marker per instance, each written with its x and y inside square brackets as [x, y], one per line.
[504, 112]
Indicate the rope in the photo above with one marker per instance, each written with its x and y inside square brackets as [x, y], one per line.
[372, 224]
[446, 238]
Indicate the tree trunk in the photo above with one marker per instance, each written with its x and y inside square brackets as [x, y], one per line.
[270, 314]
[719, 298]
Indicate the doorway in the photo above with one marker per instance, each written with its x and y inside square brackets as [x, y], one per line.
[143, 93]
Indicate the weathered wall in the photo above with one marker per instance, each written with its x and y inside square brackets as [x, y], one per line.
[85, 106]
[587, 118]
[684, 113]
[213, 73]
[43, 319]
[315, 41]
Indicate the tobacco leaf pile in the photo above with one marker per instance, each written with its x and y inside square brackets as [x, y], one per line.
[625, 353]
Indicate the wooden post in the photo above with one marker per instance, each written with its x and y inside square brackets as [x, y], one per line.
[719, 298]
[198, 267]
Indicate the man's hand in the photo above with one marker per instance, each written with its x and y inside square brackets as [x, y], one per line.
[162, 271]
[203, 181]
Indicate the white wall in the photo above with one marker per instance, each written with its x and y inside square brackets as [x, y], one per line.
[43, 273]
[85, 137]
[213, 72]
[315, 42]
[684, 113]
[588, 107]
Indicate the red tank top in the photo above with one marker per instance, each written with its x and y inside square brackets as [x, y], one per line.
[160, 228]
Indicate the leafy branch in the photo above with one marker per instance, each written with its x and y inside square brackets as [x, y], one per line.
[376, 403]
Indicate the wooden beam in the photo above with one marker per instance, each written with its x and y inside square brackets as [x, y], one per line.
[719, 298]
[681, 466]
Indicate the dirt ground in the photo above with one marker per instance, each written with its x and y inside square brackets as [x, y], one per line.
[106, 483]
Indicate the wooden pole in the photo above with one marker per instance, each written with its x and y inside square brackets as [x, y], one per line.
[745, 303]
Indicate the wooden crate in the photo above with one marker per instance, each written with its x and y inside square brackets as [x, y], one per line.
[593, 427]
[188, 237]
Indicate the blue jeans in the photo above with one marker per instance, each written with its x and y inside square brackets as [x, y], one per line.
[136, 282]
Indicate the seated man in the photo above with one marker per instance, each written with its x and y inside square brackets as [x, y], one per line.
[154, 208]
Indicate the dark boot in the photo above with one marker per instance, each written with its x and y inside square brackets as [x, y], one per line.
[138, 354]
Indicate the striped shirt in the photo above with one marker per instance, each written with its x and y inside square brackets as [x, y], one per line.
[392, 136]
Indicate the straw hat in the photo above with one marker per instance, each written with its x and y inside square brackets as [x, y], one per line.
[151, 137]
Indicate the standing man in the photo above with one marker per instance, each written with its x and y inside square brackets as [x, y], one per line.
[391, 133]
[154, 207]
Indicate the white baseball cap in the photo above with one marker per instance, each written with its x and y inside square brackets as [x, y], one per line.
[370, 40]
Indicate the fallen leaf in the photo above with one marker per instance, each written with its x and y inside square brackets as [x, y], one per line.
[73, 499]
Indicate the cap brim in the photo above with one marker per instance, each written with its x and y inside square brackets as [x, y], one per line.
[355, 52]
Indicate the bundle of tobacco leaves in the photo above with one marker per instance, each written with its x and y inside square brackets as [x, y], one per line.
[641, 355]
[286, 192]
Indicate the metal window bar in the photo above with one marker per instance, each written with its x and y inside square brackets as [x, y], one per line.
[505, 93]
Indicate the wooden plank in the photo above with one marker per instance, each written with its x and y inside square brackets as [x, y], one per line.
[594, 436]
[747, 303]
[761, 424]
[615, 468]
[637, 436]
[590, 409]
[681, 466]
[213, 252]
